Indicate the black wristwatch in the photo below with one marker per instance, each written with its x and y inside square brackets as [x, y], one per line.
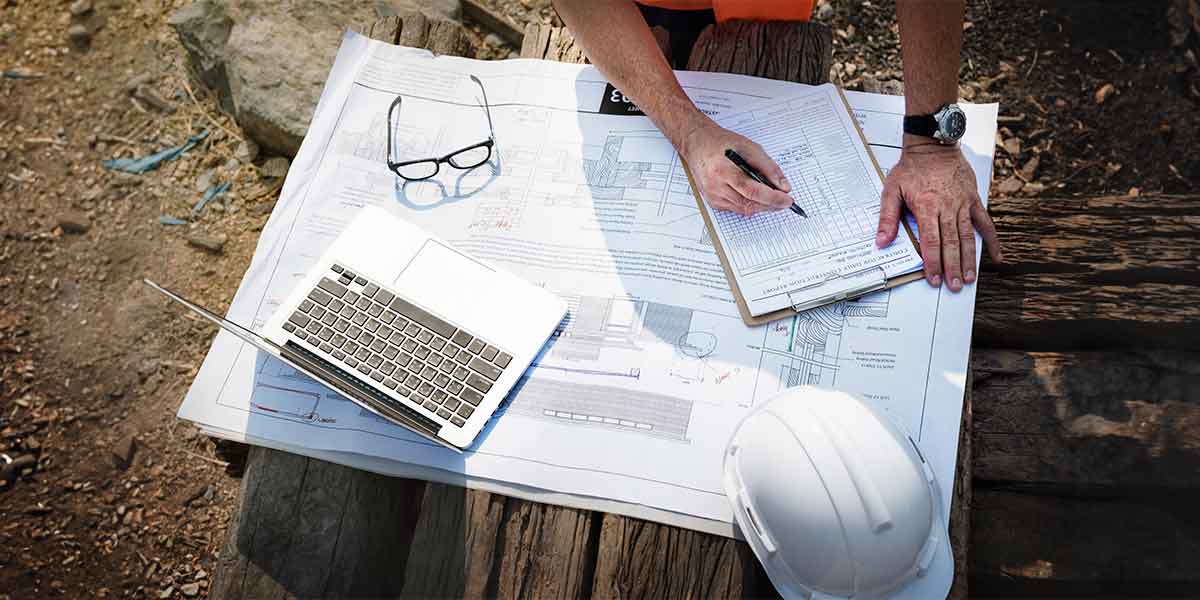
[947, 125]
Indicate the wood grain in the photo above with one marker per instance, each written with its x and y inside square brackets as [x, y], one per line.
[800, 52]
[1086, 419]
[1093, 273]
[1084, 545]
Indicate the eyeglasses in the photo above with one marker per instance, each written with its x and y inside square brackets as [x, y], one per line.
[464, 158]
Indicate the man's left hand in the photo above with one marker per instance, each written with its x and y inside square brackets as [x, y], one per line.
[938, 186]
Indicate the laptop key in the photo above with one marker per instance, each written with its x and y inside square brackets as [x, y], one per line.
[359, 318]
[476, 347]
[412, 330]
[366, 339]
[330, 319]
[390, 383]
[363, 303]
[408, 345]
[438, 396]
[371, 325]
[454, 387]
[326, 334]
[463, 357]
[441, 379]
[306, 306]
[370, 290]
[424, 337]
[341, 325]
[396, 338]
[434, 360]
[390, 352]
[374, 310]
[489, 352]
[374, 360]
[458, 421]
[452, 404]
[429, 405]
[337, 268]
[484, 368]
[344, 280]
[403, 359]
[479, 383]
[336, 305]
[338, 354]
[300, 319]
[437, 343]
[354, 332]
[502, 360]
[419, 315]
[314, 327]
[387, 368]
[447, 366]
[326, 348]
[351, 361]
[315, 312]
[465, 411]
[427, 373]
[347, 312]
[376, 375]
[462, 338]
[443, 413]
[338, 341]
[334, 288]
[378, 345]
[363, 368]
[471, 396]
[363, 354]
[460, 373]
[421, 352]
[360, 280]
[387, 317]
[289, 327]
[412, 381]
[300, 334]
[350, 347]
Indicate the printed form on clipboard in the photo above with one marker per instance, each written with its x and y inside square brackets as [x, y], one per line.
[779, 263]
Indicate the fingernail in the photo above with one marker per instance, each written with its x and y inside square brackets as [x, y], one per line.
[879, 239]
[936, 281]
[956, 283]
[970, 276]
[787, 185]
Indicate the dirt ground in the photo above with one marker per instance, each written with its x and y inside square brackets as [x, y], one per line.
[123, 499]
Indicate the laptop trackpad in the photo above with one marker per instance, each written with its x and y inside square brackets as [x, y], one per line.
[446, 280]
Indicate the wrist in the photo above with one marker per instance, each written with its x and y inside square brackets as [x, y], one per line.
[683, 134]
[925, 144]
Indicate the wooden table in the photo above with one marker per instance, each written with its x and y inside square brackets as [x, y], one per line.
[310, 528]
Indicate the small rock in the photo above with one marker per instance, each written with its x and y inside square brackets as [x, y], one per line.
[275, 168]
[1133, 192]
[190, 589]
[81, 7]
[73, 222]
[263, 208]
[1029, 170]
[205, 180]
[137, 81]
[247, 151]
[494, 40]
[824, 11]
[166, 593]
[211, 243]
[79, 35]
[1104, 92]
[1013, 146]
[1033, 188]
[122, 452]
[1010, 185]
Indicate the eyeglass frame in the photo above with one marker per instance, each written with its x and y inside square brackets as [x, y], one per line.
[489, 143]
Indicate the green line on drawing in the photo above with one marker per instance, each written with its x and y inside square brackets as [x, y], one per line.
[792, 337]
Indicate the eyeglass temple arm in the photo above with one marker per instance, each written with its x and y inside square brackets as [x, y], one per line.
[486, 108]
[391, 109]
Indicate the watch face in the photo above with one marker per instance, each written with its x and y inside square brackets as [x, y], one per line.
[954, 124]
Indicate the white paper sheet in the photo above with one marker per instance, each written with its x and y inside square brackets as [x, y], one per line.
[783, 260]
[596, 208]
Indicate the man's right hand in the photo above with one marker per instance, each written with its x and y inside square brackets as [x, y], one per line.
[725, 186]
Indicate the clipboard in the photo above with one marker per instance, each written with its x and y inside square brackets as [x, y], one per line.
[856, 284]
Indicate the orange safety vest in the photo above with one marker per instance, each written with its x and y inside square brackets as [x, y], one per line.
[747, 10]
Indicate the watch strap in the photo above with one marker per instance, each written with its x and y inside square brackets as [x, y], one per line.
[922, 125]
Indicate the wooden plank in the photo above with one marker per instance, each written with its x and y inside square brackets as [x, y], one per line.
[1093, 273]
[1089, 546]
[493, 21]
[308, 528]
[454, 541]
[800, 52]
[960, 503]
[1127, 419]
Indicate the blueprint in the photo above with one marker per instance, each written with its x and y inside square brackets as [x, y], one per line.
[782, 260]
[630, 404]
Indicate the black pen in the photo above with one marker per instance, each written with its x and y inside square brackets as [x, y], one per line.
[750, 172]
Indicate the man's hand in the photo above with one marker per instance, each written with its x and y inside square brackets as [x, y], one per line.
[938, 186]
[724, 185]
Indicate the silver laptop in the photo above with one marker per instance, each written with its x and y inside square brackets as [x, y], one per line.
[409, 328]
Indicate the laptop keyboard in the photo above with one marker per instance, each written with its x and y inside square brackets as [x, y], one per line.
[377, 334]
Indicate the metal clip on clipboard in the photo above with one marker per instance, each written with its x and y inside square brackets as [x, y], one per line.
[853, 285]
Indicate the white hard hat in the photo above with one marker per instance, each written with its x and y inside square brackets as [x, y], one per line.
[834, 497]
